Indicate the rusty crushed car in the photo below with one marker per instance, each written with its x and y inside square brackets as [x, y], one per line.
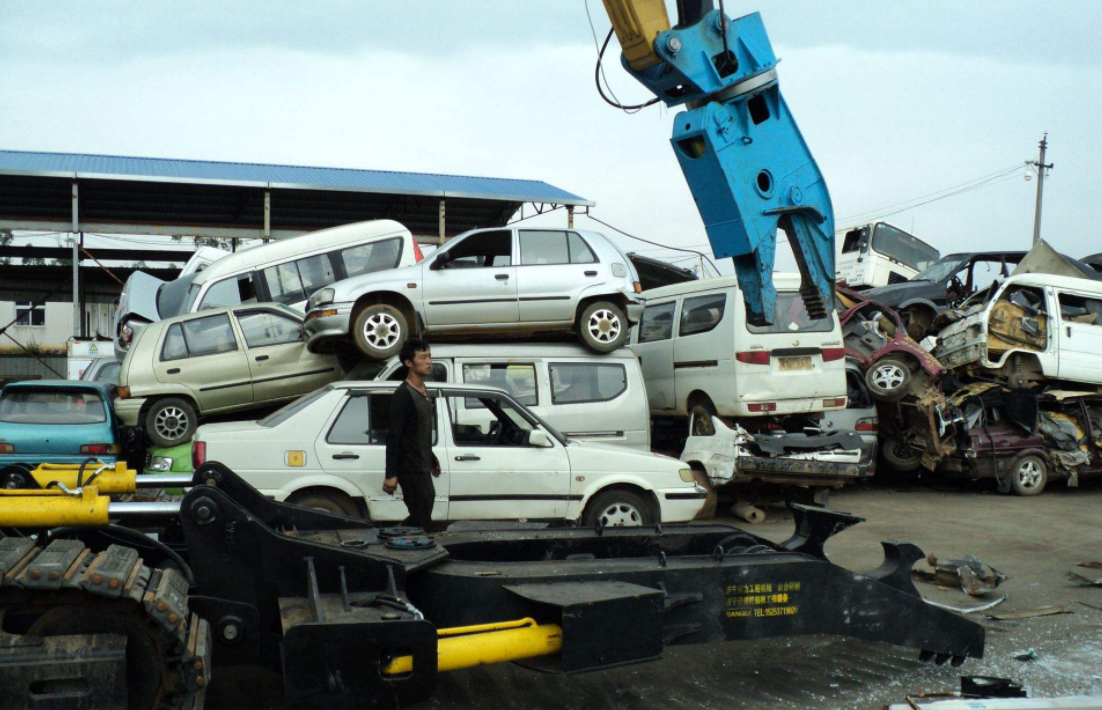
[876, 339]
[1021, 439]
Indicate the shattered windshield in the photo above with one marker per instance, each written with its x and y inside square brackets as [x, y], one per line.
[942, 268]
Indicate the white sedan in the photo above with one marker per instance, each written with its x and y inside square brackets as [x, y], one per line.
[328, 449]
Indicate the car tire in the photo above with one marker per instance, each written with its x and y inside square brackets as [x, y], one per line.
[16, 476]
[379, 331]
[617, 508]
[603, 327]
[327, 501]
[888, 379]
[1028, 475]
[171, 421]
[901, 457]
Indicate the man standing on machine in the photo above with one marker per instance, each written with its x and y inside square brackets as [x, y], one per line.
[409, 457]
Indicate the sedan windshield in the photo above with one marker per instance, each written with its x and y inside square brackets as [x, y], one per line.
[50, 406]
[942, 268]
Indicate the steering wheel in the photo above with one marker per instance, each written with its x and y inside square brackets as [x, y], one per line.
[956, 288]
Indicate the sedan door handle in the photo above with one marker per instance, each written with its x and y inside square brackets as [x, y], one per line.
[468, 457]
[1069, 331]
[261, 358]
[501, 277]
[591, 273]
[342, 457]
[172, 371]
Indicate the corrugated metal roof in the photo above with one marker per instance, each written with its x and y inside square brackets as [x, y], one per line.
[80, 165]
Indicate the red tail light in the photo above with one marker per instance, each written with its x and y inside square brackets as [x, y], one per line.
[753, 357]
[762, 407]
[417, 254]
[834, 402]
[830, 354]
[198, 453]
[866, 425]
[99, 449]
[7, 448]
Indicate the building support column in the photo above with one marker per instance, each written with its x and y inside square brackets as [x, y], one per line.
[441, 222]
[267, 216]
[570, 216]
[78, 316]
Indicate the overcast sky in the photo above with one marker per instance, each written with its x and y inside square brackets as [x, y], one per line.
[896, 100]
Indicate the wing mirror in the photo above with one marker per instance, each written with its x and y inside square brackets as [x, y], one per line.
[439, 262]
[539, 439]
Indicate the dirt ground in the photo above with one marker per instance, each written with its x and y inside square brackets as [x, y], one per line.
[1035, 541]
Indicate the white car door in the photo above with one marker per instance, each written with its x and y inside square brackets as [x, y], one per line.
[654, 346]
[555, 266]
[352, 445]
[496, 475]
[472, 282]
[1080, 338]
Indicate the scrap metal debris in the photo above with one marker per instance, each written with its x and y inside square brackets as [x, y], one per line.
[1032, 613]
[1027, 654]
[1090, 565]
[971, 609]
[969, 574]
[1083, 580]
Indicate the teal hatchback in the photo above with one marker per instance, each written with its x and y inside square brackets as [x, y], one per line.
[44, 421]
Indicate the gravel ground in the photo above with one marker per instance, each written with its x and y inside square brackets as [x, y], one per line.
[1035, 541]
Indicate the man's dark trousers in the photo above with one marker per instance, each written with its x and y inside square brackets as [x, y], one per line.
[419, 494]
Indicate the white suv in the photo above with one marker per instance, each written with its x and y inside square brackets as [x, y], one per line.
[328, 450]
[488, 281]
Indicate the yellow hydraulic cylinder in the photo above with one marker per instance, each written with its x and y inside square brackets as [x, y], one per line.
[52, 508]
[469, 646]
[637, 23]
[112, 479]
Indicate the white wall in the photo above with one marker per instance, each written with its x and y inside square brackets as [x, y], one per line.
[59, 325]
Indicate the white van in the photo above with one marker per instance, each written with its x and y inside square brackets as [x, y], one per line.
[880, 254]
[595, 398]
[696, 348]
[287, 271]
[1032, 327]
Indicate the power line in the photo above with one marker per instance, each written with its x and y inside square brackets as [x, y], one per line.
[869, 215]
[657, 244]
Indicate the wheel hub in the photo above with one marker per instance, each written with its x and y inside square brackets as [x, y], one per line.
[889, 377]
[621, 515]
[604, 326]
[382, 331]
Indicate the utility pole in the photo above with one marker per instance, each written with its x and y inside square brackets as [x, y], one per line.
[1041, 168]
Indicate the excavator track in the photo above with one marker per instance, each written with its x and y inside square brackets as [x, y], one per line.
[66, 589]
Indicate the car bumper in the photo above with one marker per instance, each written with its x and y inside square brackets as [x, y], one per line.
[320, 329]
[681, 505]
[129, 410]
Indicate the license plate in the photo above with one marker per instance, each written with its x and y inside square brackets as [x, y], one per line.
[796, 363]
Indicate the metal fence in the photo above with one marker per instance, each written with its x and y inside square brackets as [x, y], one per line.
[24, 367]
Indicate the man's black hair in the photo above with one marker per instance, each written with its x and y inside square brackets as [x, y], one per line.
[410, 348]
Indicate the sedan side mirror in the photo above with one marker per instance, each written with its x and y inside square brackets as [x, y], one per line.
[439, 262]
[539, 439]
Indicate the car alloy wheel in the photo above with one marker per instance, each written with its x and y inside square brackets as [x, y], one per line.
[171, 422]
[621, 515]
[382, 331]
[1029, 474]
[604, 326]
[889, 376]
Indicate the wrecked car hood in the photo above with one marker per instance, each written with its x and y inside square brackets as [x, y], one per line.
[896, 294]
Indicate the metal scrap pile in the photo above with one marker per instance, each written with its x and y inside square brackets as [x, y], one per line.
[1017, 394]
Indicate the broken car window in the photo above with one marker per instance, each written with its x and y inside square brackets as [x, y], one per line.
[1080, 309]
[234, 291]
[790, 316]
